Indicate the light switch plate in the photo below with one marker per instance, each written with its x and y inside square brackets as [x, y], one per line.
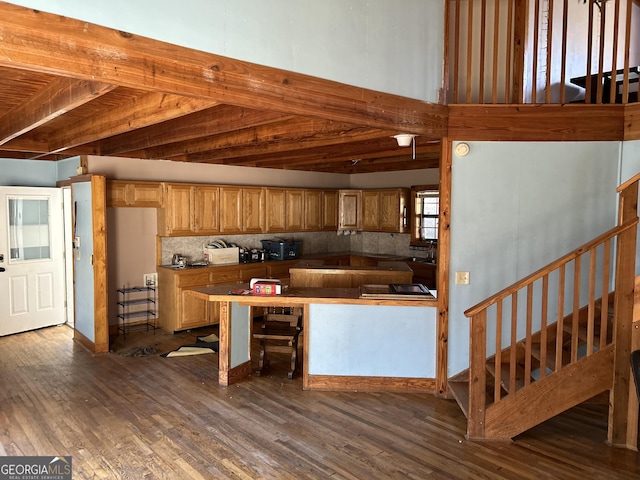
[462, 278]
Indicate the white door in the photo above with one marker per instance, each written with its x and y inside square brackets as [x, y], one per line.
[32, 271]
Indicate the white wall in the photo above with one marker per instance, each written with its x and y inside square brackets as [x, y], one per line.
[630, 166]
[515, 208]
[375, 44]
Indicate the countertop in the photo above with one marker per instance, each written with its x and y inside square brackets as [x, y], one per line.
[393, 266]
[303, 296]
[311, 257]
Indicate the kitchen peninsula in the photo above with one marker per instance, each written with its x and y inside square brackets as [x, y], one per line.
[349, 342]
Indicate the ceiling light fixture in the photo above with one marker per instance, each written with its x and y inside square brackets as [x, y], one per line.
[406, 139]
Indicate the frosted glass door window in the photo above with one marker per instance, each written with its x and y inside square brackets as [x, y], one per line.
[29, 232]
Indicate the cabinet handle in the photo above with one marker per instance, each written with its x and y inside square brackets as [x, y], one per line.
[404, 216]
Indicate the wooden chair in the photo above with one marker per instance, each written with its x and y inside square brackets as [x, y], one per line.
[280, 330]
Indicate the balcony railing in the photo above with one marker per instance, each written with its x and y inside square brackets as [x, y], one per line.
[541, 51]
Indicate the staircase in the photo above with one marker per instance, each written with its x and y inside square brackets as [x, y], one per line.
[555, 339]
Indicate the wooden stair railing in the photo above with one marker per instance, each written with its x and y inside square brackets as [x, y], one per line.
[557, 338]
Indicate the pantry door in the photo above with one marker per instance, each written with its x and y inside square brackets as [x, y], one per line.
[32, 269]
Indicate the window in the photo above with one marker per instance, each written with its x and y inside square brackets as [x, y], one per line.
[29, 229]
[425, 200]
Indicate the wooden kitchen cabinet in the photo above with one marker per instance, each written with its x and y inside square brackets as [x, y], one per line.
[350, 209]
[178, 310]
[276, 209]
[253, 213]
[189, 210]
[312, 210]
[175, 218]
[393, 208]
[242, 209]
[385, 210]
[370, 210]
[330, 210]
[230, 209]
[424, 273]
[125, 193]
[295, 210]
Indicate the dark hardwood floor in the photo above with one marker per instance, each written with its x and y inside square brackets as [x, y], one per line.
[150, 417]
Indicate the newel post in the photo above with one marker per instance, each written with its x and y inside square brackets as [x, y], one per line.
[477, 376]
[623, 414]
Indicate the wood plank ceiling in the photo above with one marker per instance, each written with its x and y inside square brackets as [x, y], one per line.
[70, 88]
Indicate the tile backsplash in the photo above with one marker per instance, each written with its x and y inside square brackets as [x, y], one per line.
[312, 243]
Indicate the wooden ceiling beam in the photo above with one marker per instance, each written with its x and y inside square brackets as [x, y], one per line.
[49, 43]
[271, 139]
[216, 120]
[57, 98]
[307, 158]
[147, 110]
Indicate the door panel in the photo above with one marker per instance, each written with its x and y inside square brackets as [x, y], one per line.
[32, 255]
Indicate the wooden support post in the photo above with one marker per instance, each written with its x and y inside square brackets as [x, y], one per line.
[621, 414]
[477, 376]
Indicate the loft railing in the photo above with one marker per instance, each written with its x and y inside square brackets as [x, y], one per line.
[566, 311]
[540, 51]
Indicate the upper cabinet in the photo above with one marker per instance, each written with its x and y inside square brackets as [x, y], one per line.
[313, 210]
[253, 213]
[330, 210]
[393, 208]
[197, 209]
[295, 210]
[125, 193]
[371, 210]
[242, 209]
[350, 210]
[276, 209]
[189, 210]
[385, 210]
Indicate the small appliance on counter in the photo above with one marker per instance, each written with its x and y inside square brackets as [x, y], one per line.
[178, 261]
[278, 249]
[257, 255]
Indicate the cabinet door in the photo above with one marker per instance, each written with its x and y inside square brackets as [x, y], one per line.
[178, 210]
[195, 312]
[123, 193]
[295, 210]
[330, 210]
[313, 210]
[350, 209]
[393, 210]
[231, 209]
[276, 212]
[117, 193]
[370, 210]
[253, 210]
[145, 194]
[206, 210]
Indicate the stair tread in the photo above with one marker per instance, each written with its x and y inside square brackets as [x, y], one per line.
[460, 392]
[505, 375]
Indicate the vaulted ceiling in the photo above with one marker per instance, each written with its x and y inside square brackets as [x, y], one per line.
[70, 88]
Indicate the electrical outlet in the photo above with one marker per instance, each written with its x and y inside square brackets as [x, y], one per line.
[462, 278]
[150, 279]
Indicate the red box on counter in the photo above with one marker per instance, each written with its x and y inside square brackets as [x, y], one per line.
[265, 286]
